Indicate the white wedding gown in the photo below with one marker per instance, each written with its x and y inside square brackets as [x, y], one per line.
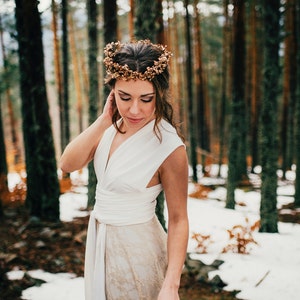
[126, 252]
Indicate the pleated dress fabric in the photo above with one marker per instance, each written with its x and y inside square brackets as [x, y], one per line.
[126, 251]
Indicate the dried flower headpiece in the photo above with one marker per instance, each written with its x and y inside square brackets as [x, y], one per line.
[115, 70]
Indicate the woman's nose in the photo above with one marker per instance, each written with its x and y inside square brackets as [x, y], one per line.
[134, 107]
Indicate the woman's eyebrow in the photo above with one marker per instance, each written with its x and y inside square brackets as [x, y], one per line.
[148, 94]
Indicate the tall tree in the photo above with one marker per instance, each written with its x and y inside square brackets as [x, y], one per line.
[64, 109]
[110, 21]
[12, 117]
[255, 77]
[268, 118]
[93, 85]
[202, 98]
[147, 20]
[110, 10]
[130, 20]
[57, 67]
[225, 63]
[42, 196]
[192, 131]
[237, 168]
[3, 165]
[76, 70]
[289, 88]
[297, 136]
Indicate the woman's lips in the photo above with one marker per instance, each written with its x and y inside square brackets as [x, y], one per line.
[134, 120]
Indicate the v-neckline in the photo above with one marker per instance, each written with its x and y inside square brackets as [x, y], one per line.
[110, 154]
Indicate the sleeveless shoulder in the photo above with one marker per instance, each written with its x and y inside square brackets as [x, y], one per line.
[170, 138]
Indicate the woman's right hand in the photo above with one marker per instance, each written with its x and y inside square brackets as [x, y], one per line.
[109, 105]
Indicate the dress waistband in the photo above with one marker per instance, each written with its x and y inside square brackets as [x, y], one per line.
[125, 209]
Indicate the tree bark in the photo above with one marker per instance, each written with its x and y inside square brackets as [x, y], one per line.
[191, 119]
[237, 167]
[57, 65]
[202, 101]
[65, 135]
[289, 88]
[76, 72]
[42, 196]
[12, 118]
[3, 165]
[93, 86]
[297, 135]
[224, 96]
[268, 121]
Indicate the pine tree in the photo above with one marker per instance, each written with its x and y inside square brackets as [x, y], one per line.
[93, 86]
[237, 143]
[297, 136]
[42, 197]
[268, 118]
[3, 165]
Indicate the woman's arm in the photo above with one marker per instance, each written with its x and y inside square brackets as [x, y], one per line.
[81, 150]
[174, 178]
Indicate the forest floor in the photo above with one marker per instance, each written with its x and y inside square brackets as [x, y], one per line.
[59, 247]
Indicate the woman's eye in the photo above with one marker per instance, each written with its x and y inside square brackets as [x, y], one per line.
[125, 98]
[147, 99]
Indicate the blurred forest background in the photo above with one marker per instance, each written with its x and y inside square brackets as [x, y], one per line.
[235, 88]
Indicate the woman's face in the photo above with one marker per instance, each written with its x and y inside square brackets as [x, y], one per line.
[135, 100]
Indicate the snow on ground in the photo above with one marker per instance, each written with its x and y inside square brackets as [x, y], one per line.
[269, 272]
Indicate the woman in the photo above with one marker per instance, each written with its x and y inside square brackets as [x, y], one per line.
[137, 153]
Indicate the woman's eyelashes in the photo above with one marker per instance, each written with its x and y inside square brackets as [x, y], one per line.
[145, 100]
[124, 98]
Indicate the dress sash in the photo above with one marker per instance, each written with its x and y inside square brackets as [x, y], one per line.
[115, 210]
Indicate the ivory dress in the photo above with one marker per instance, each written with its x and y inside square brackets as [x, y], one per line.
[126, 252]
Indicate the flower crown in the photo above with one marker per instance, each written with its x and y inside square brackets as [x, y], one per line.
[115, 70]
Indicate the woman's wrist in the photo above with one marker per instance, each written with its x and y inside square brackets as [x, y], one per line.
[171, 283]
[104, 121]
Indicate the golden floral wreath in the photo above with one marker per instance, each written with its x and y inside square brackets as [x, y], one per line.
[116, 70]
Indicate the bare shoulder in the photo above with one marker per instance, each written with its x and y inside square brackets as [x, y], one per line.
[176, 158]
[174, 167]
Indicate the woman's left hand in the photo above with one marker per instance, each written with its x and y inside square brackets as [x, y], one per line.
[168, 294]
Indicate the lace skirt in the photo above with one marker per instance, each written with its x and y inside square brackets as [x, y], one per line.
[136, 261]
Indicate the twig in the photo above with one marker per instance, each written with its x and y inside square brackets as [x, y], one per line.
[262, 279]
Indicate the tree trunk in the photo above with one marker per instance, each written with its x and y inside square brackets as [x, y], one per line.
[291, 10]
[76, 72]
[57, 63]
[192, 132]
[110, 21]
[237, 168]
[3, 166]
[224, 96]
[110, 30]
[146, 24]
[13, 123]
[268, 121]
[289, 88]
[42, 183]
[131, 20]
[202, 102]
[255, 79]
[93, 86]
[297, 136]
[65, 134]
